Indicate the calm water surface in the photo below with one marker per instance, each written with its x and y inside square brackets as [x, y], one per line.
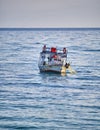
[48, 101]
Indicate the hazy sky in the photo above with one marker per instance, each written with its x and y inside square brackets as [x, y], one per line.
[49, 13]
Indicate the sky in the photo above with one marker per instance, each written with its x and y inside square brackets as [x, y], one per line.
[49, 13]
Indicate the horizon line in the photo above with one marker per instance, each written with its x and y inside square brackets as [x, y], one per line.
[48, 28]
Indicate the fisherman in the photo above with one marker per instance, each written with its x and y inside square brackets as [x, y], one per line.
[67, 65]
[64, 50]
[44, 48]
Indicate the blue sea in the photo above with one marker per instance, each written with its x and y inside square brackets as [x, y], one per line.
[30, 100]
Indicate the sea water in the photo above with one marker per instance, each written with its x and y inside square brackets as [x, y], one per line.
[49, 101]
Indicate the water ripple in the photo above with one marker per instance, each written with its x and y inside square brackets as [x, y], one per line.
[33, 100]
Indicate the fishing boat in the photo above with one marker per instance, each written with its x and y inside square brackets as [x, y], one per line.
[53, 59]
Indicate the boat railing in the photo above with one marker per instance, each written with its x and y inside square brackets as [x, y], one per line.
[58, 50]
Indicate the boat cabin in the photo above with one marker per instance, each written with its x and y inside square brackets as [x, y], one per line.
[52, 56]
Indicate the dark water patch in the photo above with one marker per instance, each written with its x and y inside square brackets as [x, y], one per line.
[92, 50]
[37, 43]
[11, 118]
[89, 107]
[92, 120]
[21, 84]
[23, 106]
[23, 127]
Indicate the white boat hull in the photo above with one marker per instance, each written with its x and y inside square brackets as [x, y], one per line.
[51, 68]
